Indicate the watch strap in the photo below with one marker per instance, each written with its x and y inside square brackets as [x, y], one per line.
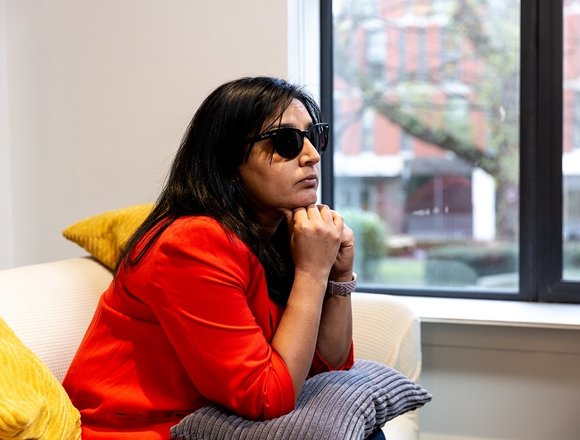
[341, 288]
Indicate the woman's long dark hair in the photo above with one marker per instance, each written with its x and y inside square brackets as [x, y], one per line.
[204, 176]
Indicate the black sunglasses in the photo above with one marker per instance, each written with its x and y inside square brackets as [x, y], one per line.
[288, 142]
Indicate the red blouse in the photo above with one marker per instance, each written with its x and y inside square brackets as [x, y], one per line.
[189, 325]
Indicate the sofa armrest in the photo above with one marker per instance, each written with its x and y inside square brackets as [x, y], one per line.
[50, 305]
[387, 331]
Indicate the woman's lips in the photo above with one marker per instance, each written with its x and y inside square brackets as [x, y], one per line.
[311, 180]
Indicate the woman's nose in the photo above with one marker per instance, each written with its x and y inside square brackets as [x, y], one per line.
[309, 154]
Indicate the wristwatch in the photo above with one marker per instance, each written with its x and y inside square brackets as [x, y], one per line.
[337, 288]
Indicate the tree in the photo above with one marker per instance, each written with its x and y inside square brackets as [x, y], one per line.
[481, 36]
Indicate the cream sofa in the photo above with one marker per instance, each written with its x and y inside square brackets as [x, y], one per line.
[50, 305]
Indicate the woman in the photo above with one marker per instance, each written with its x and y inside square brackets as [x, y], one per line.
[221, 295]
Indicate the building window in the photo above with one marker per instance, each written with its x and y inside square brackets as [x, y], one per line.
[447, 175]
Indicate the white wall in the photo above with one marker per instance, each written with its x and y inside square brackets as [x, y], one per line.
[5, 181]
[500, 383]
[98, 96]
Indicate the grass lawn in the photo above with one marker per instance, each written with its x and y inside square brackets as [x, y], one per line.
[400, 271]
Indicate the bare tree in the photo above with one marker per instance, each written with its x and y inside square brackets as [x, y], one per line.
[483, 35]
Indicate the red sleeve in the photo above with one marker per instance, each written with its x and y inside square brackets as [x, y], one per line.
[321, 365]
[203, 280]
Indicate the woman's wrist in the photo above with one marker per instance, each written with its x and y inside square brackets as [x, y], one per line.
[308, 287]
[341, 277]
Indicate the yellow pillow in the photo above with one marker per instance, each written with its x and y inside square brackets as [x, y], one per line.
[33, 403]
[104, 235]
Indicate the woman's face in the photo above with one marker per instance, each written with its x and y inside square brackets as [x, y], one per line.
[274, 183]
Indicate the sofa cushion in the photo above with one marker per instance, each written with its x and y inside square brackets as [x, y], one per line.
[33, 404]
[337, 404]
[103, 235]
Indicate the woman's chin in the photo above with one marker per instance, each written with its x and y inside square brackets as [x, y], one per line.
[311, 198]
[305, 203]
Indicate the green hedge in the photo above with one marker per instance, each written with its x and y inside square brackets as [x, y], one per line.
[370, 241]
[492, 259]
[482, 259]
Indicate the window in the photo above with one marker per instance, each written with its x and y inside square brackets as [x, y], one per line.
[457, 156]
[571, 142]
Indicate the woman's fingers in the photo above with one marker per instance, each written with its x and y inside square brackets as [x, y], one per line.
[315, 239]
[339, 223]
[313, 213]
[342, 267]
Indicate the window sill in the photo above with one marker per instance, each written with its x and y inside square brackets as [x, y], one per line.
[495, 312]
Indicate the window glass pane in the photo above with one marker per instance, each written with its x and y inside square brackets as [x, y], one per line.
[426, 140]
[571, 138]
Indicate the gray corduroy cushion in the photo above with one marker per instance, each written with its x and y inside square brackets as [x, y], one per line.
[334, 405]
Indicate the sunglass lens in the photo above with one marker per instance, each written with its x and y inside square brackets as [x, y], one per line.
[318, 135]
[288, 143]
[323, 138]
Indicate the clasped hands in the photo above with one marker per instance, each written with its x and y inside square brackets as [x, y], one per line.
[322, 244]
